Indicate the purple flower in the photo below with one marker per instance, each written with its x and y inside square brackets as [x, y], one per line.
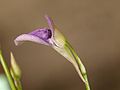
[46, 36]
[52, 37]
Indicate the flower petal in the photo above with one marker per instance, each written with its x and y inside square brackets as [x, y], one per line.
[50, 22]
[29, 37]
[57, 37]
[43, 34]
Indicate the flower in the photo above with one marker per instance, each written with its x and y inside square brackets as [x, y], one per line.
[47, 36]
[53, 37]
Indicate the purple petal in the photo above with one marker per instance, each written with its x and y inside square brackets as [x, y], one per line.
[41, 36]
[50, 22]
[28, 37]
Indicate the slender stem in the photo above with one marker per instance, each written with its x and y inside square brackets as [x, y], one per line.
[81, 67]
[83, 71]
[87, 83]
[5, 67]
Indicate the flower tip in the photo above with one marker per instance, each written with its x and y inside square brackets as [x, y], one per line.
[50, 22]
[46, 16]
[17, 41]
[20, 39]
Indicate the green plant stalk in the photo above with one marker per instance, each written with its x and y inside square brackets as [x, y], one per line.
[80, 65]
[7, 72]
[83, 71]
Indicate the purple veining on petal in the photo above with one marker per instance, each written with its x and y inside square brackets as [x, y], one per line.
[43, 33]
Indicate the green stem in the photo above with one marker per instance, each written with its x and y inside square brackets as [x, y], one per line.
[87, 83]
[83, 71]
[81, 66]
[5, 67]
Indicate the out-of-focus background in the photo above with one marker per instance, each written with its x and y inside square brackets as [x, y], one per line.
[91, 26]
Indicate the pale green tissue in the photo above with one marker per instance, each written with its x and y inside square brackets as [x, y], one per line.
[4, 85]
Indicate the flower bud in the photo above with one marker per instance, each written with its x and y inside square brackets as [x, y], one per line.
[14, 66]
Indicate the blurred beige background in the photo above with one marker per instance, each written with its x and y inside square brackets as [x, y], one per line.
[91, 26]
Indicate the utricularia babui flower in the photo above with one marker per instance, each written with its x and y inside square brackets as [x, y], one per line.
[51, 36]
